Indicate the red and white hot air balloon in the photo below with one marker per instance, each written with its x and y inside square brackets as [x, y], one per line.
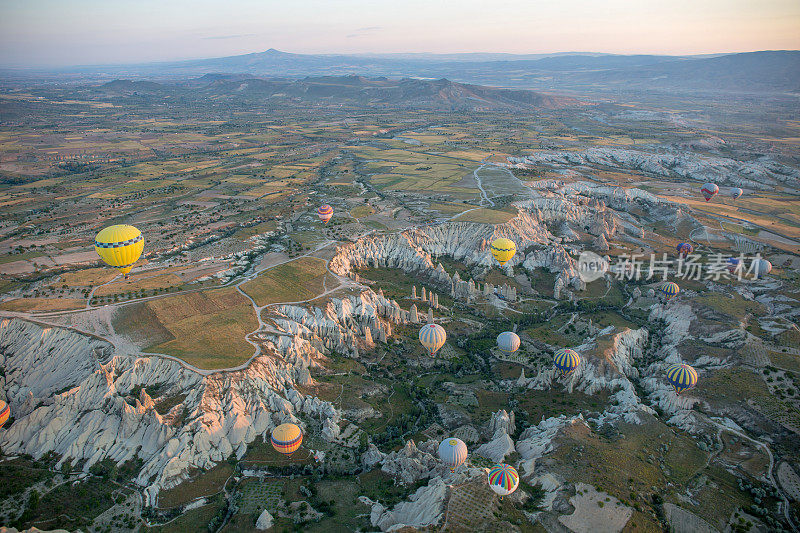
[325, 212]
[709, 190]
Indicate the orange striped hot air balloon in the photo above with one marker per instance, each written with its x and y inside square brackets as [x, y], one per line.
[5, 412]
[287, 438]
[325, 212]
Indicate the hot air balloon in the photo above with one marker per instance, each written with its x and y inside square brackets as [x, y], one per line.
[508, 341]
[432, 337]
[681, 377]
[287, 438]
[733, 265]
[453, 452]
[325, 212]
[119, 246]
[736, 193]
[566, 361]
[503, 250]
[709, 190]
[684, 249]
[669, 289]
[760, 267]
[503, 479]
[5, 412]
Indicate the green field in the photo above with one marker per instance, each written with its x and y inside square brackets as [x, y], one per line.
[484, 216]
[206, 329]
[295, 281]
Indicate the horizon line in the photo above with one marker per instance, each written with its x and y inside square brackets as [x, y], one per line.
[367, 54]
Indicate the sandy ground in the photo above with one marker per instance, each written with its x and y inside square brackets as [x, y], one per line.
[271, 259]
[17, 267]
[590, 517]
[683, 521]
[77, 257]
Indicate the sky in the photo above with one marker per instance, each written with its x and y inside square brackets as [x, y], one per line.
[37, 33]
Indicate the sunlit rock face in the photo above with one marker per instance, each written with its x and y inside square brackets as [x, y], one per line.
[71, 396]
[414, 250]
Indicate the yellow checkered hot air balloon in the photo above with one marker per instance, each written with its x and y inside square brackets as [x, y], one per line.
[503, 250]
[120, 246]
[287, 438]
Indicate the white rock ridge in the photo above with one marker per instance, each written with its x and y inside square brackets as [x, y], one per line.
[69, 400]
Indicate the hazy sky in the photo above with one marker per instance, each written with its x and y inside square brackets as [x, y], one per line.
[69, 32]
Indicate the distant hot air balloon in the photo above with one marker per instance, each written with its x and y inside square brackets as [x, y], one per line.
[119, 246]
[325, 212]
[453, 452]
[287, 438]
[733, 265]
[669, 289]
[684, 249]
[736, 193]
[681, 377]
[503, 479]
[508, 341]
[709, 190]
[566, 361]
[432, 337]
[503, 250]
[5, 412]
[761, 267]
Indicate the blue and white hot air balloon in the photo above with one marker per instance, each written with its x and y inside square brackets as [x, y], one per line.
[508, 341]
[453, 452]
[432, 337]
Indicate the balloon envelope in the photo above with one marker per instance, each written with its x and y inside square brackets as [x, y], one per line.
[508, 341]
[503, 479]
[669, 289]
[684, 248]
[566, 361]
[287, 438]
[761, 267]
[503, 250]
[736, 193]
[325, 212]
[432, 337]
[453, 452]
[119, 246]
[682, 377]
[709, 190]
[5, 412]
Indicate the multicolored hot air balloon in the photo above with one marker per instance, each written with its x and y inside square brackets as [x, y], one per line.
[709, 190]
[681, 377]
[508, 341]
[760, 267]
[669, 289]
[736, 193]
[453, 452]
[5, 412]
[287, 438]
[432, 337]
[119, 246]
[566, 361]
[503, 479]
[325, 212]
[503, 250]
[684, 249]
[734, 265]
